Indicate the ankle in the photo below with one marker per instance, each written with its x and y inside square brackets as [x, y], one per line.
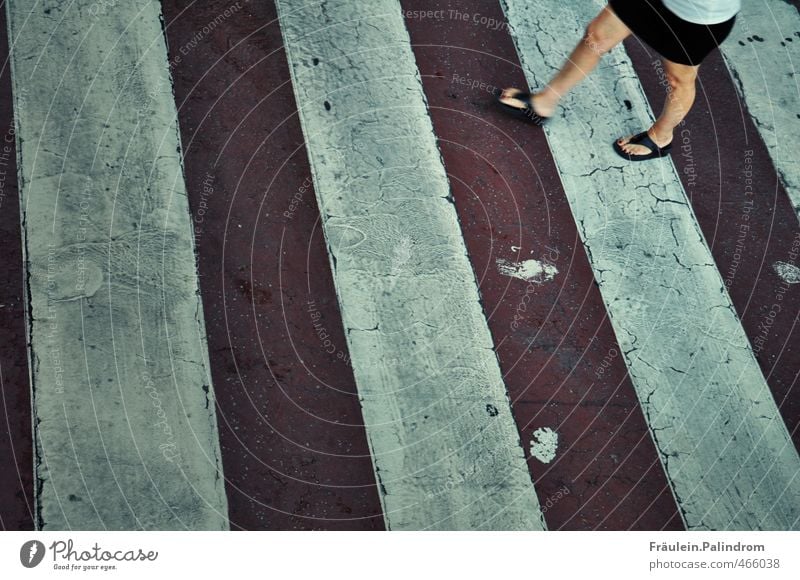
[660, 136]
[549, 95]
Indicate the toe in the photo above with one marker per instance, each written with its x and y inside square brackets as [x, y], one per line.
[509, 93]
[638, 150]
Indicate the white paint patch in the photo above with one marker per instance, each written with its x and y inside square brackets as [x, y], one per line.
[528, 270]
[544, 444]
[788, 272]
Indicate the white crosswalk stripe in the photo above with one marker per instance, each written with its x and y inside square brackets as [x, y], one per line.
[125, 422]
[724, 446]
[445, 447]
[763, 55]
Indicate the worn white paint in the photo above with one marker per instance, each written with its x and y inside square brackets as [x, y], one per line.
[445, 447]
[725, 449]
[528, 270]
[789, 273]
[544, 444]
[125, 425]
[766, 71]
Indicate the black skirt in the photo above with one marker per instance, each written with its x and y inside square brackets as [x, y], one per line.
[669, 35]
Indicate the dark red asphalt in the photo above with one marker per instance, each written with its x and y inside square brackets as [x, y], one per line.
[16, 445]
[747, 219]
[559, 355]
[294, 447]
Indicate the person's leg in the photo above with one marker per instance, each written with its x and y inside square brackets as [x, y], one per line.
[602, 34]
[680, 98]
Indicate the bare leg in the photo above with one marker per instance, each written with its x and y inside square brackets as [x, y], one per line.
[602, 34]
[680, 98]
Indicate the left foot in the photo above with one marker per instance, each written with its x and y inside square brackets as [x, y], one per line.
[643, 146]
[634, 149]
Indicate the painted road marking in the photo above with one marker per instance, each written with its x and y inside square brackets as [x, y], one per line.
[763, 55]
[447, 453]
[723, 444]
[126, 433]
[744, 212]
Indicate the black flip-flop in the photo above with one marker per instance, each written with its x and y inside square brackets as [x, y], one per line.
[526, 112]
[643, 139]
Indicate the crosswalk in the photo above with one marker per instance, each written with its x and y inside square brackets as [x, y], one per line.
[428, 399]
